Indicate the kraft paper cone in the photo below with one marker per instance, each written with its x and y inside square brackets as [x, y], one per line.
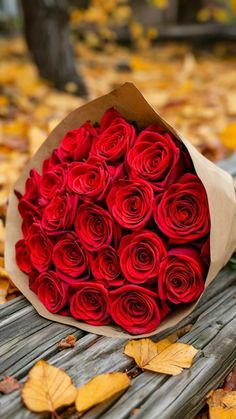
[218, 184]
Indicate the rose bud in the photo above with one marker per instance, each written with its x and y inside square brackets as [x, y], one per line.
[130, 203]
[89, 302]
[53, 181]
[39, 247]
[106, 267]
[182, 213]
[181, 277]
[89, 179]
[135, 309]
[94, 226]
[59, 214]
[156, 158]
[114, 141]
[51, 291]
[70, 258]
[75, 145]
[22, 257]
[140, 256]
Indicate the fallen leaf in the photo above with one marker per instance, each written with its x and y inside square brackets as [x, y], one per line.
[144, 350]
[228, 136]
[164, 357]
[229, 400]
[68, 342]
[173, 359]
[47, 388]
[100, 388]
[222, 404]
[9, 384]
[230, 381]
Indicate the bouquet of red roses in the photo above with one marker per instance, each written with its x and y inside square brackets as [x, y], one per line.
[116, 229]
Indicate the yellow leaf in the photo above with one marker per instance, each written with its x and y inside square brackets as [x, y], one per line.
[203, 15]
[222, 404]
[164, 356]
[229, 400]
[144, 350]
[47, 388]
[228, 136]
[173, 359]
[101, 388]
[161, 4]
[221, 15]
[4, 285]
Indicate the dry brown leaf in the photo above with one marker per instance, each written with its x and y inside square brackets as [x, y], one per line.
[47, 388]
[230, 381]
[9, 384]
[144, 350]
[68, 342]
[173, 359]
[164, 357]
[222, 404]
[101, 388]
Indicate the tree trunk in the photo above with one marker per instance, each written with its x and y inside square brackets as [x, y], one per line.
[47, 34]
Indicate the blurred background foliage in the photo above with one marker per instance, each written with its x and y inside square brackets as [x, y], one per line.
[57, 54]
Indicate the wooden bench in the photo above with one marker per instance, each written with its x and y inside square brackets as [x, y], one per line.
[25, 337]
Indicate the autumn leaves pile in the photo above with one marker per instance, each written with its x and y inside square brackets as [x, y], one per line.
[116, 228]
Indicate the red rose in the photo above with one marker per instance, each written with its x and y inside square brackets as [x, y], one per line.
[39, 247]
[106, 267]
[130, 203]
[182, 213]
[70, 258]
[23, 257]
[51, 291]
[108, 118]
[89, 302]
[94, 226]
[89, 179]
[155, 158]
[76, 144]
[140, 256]
[32, 187]
[113, 142]
[53, 181]
[59, 214]
[50, 163]
[205, 251]
[29, 213]
[181, 276]
[135, 309]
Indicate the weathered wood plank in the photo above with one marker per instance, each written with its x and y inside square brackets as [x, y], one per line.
[94, 355]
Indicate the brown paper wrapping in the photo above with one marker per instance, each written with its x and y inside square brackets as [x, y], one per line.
[218, 184]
